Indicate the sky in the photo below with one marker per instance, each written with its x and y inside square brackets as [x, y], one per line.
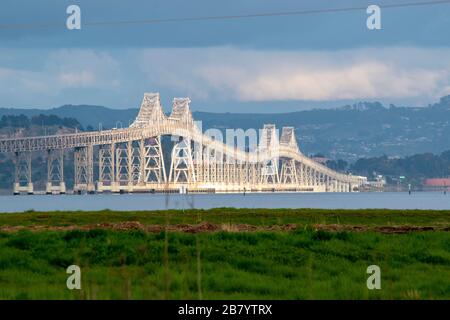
[259, 64]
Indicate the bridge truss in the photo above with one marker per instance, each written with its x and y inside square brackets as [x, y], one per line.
[132, 159]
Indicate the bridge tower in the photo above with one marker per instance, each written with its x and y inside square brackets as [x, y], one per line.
[145, 164]
[182, 169]
[288, 138]
[150, 112]
[288, 165]
[181, 112]
[269, 149]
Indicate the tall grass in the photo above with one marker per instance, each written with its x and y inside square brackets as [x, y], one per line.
[303, 264]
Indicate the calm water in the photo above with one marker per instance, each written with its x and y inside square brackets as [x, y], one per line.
[392, 200]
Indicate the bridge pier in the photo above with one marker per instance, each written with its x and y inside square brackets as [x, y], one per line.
[300, 174]
[269, 172]
[182, 166]
[22, 173]
[327, 183]
[132, 166]
[84, 169]
[288, 171]
[154, 170]
[55, 172]
[123, 168]
[106, 174]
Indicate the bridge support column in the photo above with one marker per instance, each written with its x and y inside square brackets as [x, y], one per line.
[269, 173]
[124, 171]
[307, 175]
[153, 164]
[55, 172]
[22, 173]
[288, 172]
[106, 175]
[300, 174]
[332, 185]
[136, 164]
[84, 169]
[130, 165]
[202, 160]
[141, 178]
[316, 178]
[182, 167]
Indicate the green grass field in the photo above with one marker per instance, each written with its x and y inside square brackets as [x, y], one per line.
[306, 262]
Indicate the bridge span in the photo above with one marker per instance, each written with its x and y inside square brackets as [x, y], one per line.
[132, 159]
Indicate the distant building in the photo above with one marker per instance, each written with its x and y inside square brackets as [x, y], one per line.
[436, 184]
[321, 160]
[376, 185]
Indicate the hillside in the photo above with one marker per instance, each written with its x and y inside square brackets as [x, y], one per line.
[23, 126]
[87, 115]
[350, 132]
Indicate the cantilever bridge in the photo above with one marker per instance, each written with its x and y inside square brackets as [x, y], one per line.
[132, 159]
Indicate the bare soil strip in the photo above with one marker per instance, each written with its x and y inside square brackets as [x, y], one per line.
[209, 227]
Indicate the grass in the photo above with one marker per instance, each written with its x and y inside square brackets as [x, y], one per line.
[301, 264]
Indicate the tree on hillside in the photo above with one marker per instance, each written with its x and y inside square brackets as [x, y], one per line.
[20, 121]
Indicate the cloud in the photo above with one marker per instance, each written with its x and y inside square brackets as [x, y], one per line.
[224, 74]
[250, 75]
[82, 78]
[19, 82]
[55, 76]
[83, 68]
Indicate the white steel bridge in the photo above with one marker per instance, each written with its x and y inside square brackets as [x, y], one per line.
[132, 160]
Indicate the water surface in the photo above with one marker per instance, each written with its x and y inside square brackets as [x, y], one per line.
[390, 200]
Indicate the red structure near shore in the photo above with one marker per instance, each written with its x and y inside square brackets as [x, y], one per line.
[437, 184]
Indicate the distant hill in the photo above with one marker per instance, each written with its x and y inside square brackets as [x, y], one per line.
[23, 126]
[85, 114]
[350, 132]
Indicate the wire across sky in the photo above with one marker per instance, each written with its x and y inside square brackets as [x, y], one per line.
[224, 17]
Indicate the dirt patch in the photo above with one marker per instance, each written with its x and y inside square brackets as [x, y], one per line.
[380, 229]
[210, 227]
[339, 227]
[155, 228]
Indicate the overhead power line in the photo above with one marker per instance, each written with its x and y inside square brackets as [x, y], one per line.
[226, 17]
